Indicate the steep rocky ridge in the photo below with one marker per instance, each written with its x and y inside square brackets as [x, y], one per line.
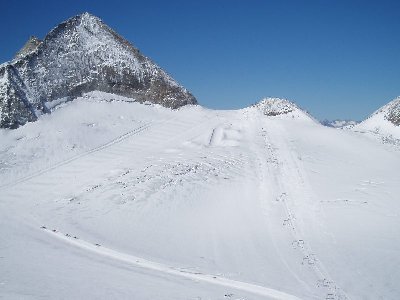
[81, 55]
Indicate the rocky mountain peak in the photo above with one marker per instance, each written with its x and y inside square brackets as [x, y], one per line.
[78, 56]
[75, 25]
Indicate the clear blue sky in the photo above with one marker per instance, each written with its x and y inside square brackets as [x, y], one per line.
[336, 59]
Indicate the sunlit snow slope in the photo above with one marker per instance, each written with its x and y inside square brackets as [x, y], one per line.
[136, 201]
[383, 124]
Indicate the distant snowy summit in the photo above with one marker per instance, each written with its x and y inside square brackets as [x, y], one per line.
[274, 107]
[78, 56]
[341, 124]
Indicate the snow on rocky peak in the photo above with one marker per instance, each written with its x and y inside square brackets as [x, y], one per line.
[78, 56]
[384, 123]
[280, 107]
[390, 111]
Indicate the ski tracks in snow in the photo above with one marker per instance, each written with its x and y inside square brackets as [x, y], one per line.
[287, 172]
[119, 139]
[135, 261]
[116, 140]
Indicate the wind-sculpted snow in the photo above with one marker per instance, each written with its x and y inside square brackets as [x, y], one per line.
[78, 56]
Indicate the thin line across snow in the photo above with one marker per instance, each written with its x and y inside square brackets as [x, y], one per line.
[150, 265]
[69, 160]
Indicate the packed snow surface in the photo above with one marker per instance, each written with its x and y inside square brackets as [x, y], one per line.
[106, 199]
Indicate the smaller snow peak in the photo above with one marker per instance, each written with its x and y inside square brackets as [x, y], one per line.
[276, 106]
[282, 108]
[390, 111]
[393, 112]
[30, 46]
[384, 123]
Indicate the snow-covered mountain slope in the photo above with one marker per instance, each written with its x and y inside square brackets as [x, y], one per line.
[384, 123]
[78, 56]
[142, 202]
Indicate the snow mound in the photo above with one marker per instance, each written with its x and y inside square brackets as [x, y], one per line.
[277, 107]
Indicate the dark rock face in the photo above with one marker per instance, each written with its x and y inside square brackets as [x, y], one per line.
[15, 107]
[79, 56]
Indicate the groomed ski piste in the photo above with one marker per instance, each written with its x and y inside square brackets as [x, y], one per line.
[109, 199]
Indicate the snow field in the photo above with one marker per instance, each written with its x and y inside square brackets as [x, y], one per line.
[195, 204]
